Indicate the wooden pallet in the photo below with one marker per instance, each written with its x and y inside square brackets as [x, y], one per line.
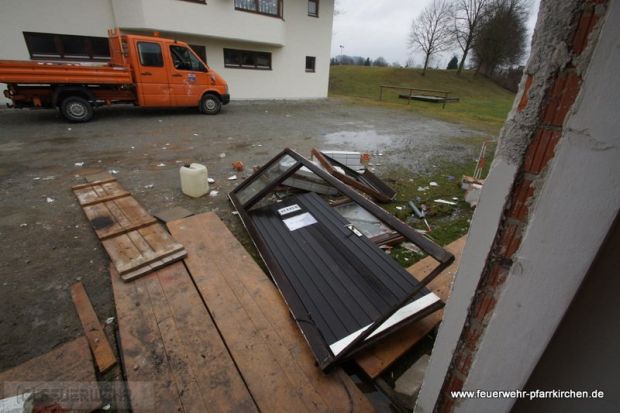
[133, 239]
[378, 357]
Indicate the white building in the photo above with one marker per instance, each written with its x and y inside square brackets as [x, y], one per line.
[265, 49]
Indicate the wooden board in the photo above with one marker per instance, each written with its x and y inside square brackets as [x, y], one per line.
[97, 340]
[255, 323]
[174, 357]
[133, 239]
[68, 367]
[378, 357]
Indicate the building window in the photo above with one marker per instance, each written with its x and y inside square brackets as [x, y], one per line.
[310, 63]
[313, 8]
[201, 51]
[197, 1]
[150, 54]
[66, 47]
[246, 59]
[267, 7]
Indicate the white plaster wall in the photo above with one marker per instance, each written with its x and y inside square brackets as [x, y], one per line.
[216, 25]
[572, 214]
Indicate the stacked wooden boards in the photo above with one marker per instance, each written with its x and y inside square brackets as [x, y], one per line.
[378, 357]
[213, 334]
[133, 239]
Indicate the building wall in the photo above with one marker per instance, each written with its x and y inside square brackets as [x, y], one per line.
[216, 25]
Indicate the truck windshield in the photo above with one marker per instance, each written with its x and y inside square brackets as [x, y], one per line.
[184, 59]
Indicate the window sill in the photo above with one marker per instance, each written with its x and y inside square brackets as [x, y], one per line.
[313, 15]
[248, 68]
[310, 71]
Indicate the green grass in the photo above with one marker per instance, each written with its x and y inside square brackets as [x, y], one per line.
[448, 223]
[483, 105]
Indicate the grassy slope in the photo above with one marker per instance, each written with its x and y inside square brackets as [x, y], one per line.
[483, 105]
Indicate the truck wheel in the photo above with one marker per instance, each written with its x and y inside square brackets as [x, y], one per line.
[210, 104]
[76, 109]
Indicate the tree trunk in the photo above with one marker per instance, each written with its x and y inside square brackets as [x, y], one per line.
[465, 51]
[425, 64]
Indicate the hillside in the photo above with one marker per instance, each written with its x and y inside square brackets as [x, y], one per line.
[483, 104]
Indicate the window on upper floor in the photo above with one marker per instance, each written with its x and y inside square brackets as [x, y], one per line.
[266, 7]
[310, 63]
[66, 47]
[247, 59]
[313, 8]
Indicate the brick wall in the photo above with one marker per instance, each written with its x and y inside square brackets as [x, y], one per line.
[559, 98]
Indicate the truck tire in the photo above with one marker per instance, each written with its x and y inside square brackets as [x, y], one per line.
[76, 109]
[210, 104]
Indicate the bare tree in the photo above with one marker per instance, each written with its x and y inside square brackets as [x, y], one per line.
[468, 15]
[430, 31]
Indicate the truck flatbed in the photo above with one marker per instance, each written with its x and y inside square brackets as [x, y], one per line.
[36, 72]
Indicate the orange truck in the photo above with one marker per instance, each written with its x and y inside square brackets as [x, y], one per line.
[143, 70]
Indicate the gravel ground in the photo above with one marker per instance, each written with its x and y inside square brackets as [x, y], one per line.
[47, 242]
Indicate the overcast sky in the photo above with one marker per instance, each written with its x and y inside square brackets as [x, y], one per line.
[373, 28]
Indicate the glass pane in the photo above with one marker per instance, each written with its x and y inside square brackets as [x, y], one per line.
[249, 59]
[263, 60]
[150, 54]
[74, 46]
[201, 51]
[100, 47]
[310, 61]
[268, 7]
[232, 57]
[367, 223]
[312, 8]
[246, 4]
[184, 59]
[42, 44]
[269, 175]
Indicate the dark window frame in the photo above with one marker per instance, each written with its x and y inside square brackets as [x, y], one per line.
[256, 10]
[313, 60]
[197, 1]
[242, 55]
[202, 67]
[60, 53]
[316, 14]
[161, 53]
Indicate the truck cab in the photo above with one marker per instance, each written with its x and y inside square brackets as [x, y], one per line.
[168, 73]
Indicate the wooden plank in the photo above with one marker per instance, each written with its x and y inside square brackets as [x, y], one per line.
[155, 265]
[101, 191]
[379, 356]
[92, 183]
[117, 217]
[105, 198]
[97, 340]
[169, 341]
[68, 365]
[254, 321]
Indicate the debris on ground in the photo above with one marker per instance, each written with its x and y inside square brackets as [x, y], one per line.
[49, 200]
[79, 164]
[211, 180]
[443, 201]
[232, 178]
[172, 214]
[433, 184]
[214, 193]
[238, 166]
[222, 155]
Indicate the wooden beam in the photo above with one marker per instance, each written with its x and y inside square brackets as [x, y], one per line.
[97, 340]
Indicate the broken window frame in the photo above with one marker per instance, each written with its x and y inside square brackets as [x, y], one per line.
[367, 182]
[320, 348]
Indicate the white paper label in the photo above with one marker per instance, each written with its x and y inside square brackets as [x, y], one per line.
[289, 209]
[299, 221]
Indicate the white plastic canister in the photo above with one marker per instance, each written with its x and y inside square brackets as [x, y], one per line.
[194, 180]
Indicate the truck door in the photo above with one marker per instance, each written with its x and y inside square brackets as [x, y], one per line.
[152, 75]
[189, 77]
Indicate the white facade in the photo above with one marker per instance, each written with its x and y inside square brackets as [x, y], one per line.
[215, 24]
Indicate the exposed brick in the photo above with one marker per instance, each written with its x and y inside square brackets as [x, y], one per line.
[471, 337]
[463, 362]
[497, 276]
[456, 384]
[541, 149]
[553, 100]
[521, 195]
[583, 29]
[447, 406]
[510, 240]
[571, 89]
[486, 302]
[525, 96]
